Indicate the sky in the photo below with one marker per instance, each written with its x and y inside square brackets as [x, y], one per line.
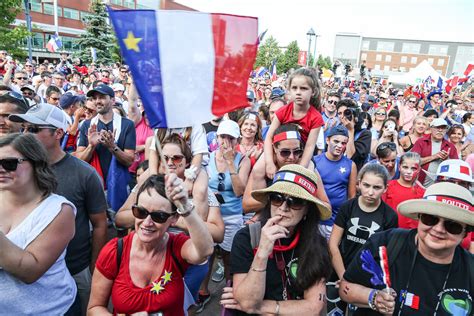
[445, 20]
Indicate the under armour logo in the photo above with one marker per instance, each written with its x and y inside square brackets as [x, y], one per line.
[355, 226]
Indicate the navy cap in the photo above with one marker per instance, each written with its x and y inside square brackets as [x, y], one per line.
[433, 93]
[67, 100]
[277, 93]
[338, 130]
[102, 89]
[250, 95]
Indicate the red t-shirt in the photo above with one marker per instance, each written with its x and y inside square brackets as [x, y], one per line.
[127, 298]
[396, 194]
[313, 119]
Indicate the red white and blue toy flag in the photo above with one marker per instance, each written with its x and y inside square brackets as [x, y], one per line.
[468, 70]
[187, 66]
[54, 44]
[274, 71]
[384, 266]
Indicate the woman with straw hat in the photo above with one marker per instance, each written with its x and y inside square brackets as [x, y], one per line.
[286, 270]
[430, 273]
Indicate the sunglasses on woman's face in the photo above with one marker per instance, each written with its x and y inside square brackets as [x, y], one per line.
[11, 164]
[277, 199]
[35, 129]
[451, 227]
[286, 153]
[176, 159]
[159, 217]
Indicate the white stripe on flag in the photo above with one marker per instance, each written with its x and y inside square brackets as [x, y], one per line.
[289, 177]
[182, 60]
[409, 299]
[291, 135]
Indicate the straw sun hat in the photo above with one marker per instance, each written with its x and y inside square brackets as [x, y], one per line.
[296, 181]
[443, 199]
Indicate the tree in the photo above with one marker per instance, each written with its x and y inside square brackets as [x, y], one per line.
[267, 52]
[11, 39]
[324, 62]
[99, 35]
[290, 58]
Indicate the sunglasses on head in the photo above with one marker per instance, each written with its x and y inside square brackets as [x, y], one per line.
[159, 217]
[11, 164]
[285, 153]
[221, 184]
[277, 199]
[451, 227]
[176, 159]
[35, 129]
[384, 146]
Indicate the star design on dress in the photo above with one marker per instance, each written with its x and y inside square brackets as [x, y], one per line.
[131, 42]
[157, 288]
[342, 170]
[166, 277]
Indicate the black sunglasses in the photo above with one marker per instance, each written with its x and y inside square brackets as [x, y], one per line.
[332, 102]
[451, 227]
[277, 199]
[285, 153]
[176, 159]
[156, 216]
[10, 164]
[221, 184]
[35, 129]
[384, 146]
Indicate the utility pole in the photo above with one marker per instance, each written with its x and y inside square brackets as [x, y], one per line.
[28, 25]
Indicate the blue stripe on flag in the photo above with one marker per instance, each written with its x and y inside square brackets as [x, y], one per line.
[137, 35]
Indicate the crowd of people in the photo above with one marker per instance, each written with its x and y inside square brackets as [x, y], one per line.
[338, 197]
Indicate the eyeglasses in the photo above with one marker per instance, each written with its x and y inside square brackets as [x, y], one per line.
[285, 153]
[412, 101]
[11, 164]
[451, 227]
[159, 217]
[21, 78]
[277, 199]
[89, 110]
[380, 113]
[221, 184]
[54, 99]
[36, 129]
[176, 159]
[28, 65]
[332, 102]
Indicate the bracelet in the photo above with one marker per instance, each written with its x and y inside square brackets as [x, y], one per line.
[277, 308]
[259, 270]
[371, 300]
[184, 212]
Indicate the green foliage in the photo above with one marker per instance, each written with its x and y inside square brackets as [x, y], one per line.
[324, 62]
[267, 52]
[99, 35]
[11, 38]
[290, 58]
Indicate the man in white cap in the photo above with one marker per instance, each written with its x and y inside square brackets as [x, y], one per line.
[428, 273]
[79, 183]
[434, 149]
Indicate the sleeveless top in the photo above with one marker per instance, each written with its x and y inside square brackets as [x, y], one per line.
[233, 204]
[55, 291]
[409, 147]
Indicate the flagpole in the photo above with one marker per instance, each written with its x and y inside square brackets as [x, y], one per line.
[55, 8]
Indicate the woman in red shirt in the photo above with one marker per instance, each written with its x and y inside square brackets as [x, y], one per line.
[251, 142]
[147, 275]
[405, 188]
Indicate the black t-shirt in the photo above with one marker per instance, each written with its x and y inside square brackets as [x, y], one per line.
[362, 145]
[211, 136]
[241, 258]
[79, 183]
[126, 140]
[359, 225]
[425, 289]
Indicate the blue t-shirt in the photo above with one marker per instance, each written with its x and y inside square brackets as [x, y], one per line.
[127, 140]
[335, 175]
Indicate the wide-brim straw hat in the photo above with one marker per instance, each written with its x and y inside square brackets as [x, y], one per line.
[443, 199]
[296, 181]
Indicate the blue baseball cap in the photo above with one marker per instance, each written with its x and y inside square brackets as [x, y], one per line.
[338, 130]
[102, 89]
[67, 100]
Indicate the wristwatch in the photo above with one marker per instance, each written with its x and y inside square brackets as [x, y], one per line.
[186, 210]
[116, 148]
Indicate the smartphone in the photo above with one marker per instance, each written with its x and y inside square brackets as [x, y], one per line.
[219, 197]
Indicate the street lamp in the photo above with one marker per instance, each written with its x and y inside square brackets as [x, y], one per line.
[310, 35]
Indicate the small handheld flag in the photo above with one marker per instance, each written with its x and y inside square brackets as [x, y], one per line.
[54, 44]
[384, 266]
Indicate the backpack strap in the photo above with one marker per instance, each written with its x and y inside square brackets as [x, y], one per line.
[395, 244]
[255, 232]
[175, 259]
[119, 252]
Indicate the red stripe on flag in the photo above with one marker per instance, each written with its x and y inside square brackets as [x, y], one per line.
[464, 170]
[235, 47]
[415, 304]
[468, 70]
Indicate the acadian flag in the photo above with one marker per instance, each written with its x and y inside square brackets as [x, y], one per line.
[187, 66]
[274, 71]
[54, 44]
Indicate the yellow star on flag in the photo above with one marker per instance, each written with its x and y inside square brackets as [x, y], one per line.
[157, 288]
[132, 42]
[167, 277]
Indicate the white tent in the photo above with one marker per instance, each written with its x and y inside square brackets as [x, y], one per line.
[417, 75]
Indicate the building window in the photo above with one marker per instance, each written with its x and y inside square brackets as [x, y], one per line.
[414, 60]
[37, 40]
[388, 58]
[129, 4]
[386, 68]
[466, 51]
[363, 56]
[60, 11]
[377, 67]
[411, 48]
[48, 8]
[117, 2]
[441, 62]
[385, 46]
[404, 59]
[36, 6]
[71, 14]
[431, 61]
[438, 50]
[378, 57]
[365, 45]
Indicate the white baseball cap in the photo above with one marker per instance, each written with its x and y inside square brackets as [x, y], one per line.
[455, 168]
[229, 127]
[43, 114]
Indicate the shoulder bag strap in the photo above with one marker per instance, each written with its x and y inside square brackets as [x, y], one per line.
[119, 252]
